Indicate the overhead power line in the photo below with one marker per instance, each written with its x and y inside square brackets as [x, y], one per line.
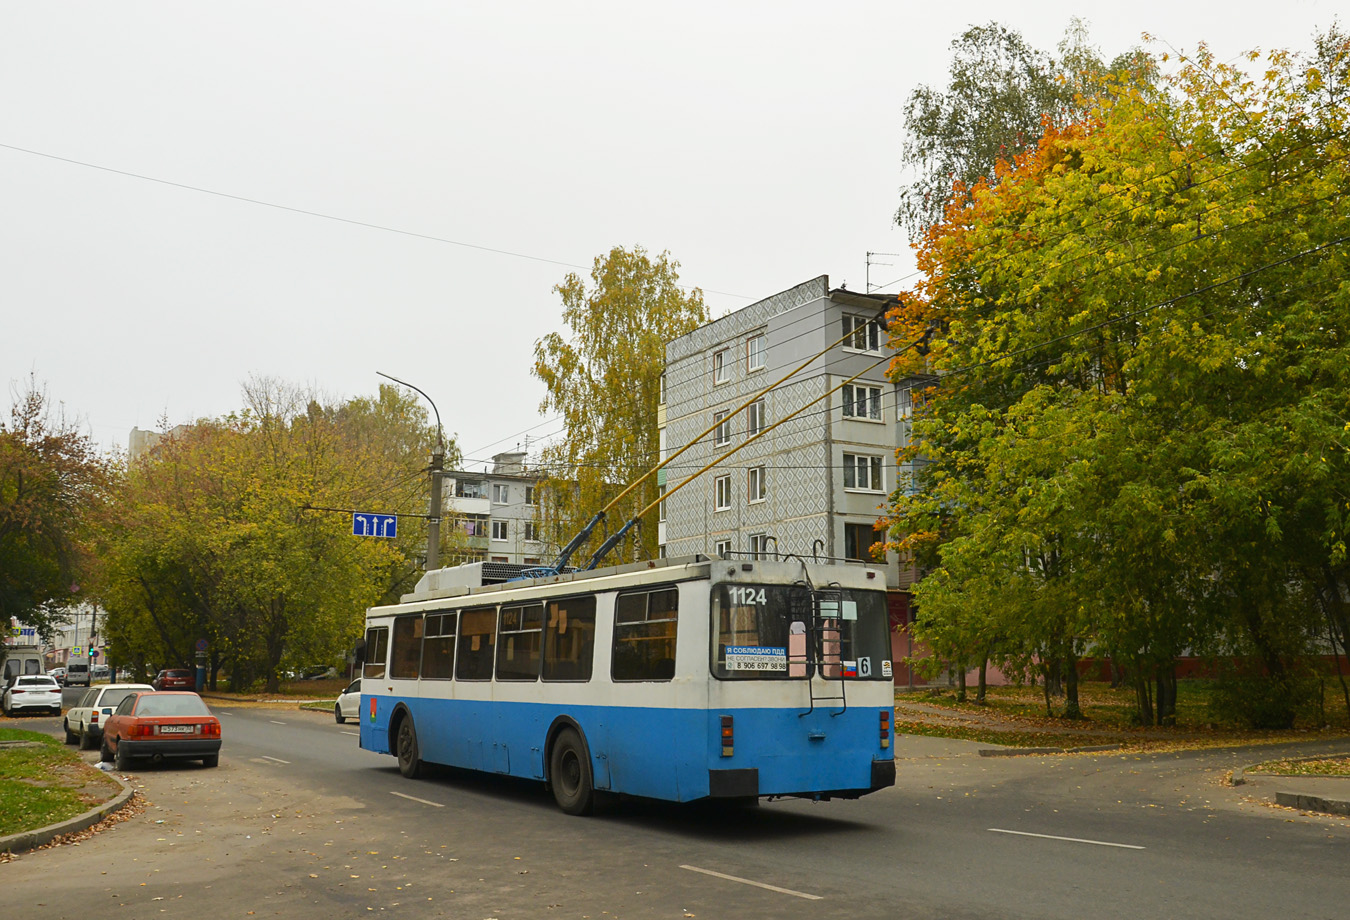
[319, 214]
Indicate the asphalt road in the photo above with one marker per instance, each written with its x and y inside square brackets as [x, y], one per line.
[298, 822]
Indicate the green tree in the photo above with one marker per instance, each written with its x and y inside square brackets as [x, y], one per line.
[1000, 94]
[52, 483]
[1142, 412]
[215, 534]
[605, 381]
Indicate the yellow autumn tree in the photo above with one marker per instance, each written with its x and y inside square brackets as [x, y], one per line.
[605, 380]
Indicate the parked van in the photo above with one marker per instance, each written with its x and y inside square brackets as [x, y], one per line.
[77, 672]
[21, 659]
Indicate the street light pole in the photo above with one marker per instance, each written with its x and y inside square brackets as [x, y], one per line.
[436, 468]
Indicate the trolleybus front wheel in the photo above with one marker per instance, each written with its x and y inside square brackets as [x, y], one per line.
[409, 759]
[570, 773]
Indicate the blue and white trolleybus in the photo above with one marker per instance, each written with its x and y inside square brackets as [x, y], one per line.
[677, 679]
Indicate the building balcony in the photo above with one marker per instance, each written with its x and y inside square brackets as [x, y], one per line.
[456, 505]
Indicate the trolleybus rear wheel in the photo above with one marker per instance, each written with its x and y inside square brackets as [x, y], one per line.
[409, 758]
[570, 773]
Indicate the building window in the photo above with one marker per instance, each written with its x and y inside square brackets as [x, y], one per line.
[531, 531]
[759, 546]
[722, 433]
[529, 495]
[755, 489]
[661, 392]
[499, 530]
[475, 527]
[469, 489]
[501, 494]
[754, 418]
[661, 507]
[863, 334]
[904, 404]
[722, 549]
[859, 540]
[722, 493]
[862, 473]
[720, 369]
[754, 353]
[499, 559]
[862, 401]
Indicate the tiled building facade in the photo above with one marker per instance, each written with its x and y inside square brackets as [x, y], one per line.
[817, 483]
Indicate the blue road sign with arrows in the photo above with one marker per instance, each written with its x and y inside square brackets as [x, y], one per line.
[365, 524]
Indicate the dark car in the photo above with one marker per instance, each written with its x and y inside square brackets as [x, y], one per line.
[161, 726]
[175, 679]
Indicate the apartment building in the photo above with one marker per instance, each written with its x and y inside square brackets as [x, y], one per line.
[496, 511]
[816, 484]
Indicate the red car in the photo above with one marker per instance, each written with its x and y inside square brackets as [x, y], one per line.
[161, 726]
[175, 679]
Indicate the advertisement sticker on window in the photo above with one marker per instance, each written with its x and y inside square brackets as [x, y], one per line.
[756, 658]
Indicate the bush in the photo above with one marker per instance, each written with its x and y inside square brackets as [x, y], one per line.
[1246, 695]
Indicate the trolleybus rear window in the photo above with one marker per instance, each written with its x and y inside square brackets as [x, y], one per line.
[768, 632]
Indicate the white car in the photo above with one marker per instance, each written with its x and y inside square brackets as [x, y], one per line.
[32, 692]
[348, 705]
[84, 719]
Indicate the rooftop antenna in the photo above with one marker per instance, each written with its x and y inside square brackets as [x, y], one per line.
[871, 261]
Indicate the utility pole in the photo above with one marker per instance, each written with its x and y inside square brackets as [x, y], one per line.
[436, 468]
[434, 517]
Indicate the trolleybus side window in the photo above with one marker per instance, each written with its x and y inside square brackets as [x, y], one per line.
[407, 646]
[477, 629]
[377, 650]
[520, 643]
[569, 638]
[438, 646]
[644, 635]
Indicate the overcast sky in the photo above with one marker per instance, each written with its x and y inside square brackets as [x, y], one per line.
[756, 141]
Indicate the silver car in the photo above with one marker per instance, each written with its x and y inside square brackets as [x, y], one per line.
[32, 692]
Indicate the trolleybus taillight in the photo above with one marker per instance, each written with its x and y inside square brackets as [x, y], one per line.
[728, 736]
[885, 729]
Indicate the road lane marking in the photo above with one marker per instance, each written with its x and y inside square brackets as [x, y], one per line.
[746, 881]
[275, 759]
[275, 722]
[413, 798]
[353, 734]
[1098, 843]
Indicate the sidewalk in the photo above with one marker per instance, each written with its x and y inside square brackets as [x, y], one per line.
[1326, 794]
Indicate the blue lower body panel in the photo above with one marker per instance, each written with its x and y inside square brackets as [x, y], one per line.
[671, 754]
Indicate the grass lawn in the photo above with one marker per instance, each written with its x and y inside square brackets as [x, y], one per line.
[1105, 708]
[1016, 716]
[1328, 766]
[45, 783]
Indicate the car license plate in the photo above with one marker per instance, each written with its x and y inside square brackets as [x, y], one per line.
[176, 729]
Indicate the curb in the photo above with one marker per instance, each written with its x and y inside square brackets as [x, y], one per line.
[1294, 799]
[31, 840]
[1312, 803]
[1031, 752]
